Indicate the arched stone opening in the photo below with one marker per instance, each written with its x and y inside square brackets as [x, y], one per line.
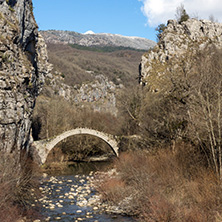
[44, 147]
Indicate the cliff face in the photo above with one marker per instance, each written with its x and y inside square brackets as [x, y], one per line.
[178, 44]
[23, 65]
[98, 94]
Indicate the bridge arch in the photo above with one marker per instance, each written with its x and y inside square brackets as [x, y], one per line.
[43, 147]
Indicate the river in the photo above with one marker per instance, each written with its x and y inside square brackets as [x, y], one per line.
[70, 197]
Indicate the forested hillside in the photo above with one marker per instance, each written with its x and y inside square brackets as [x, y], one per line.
[78, 65]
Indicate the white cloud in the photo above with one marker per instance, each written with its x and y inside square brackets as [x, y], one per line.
[159, 11]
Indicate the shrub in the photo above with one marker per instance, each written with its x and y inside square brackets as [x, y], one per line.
[18, 184]
[181, 14]
[159, 29]
[167, 186]
[112, 190]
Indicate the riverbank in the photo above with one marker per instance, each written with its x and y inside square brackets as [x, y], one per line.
[74, 198]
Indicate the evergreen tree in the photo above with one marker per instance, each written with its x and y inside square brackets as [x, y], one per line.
[181, 14]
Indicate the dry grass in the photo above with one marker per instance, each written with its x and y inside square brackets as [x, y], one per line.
[113, 189]
[18, 187]
[168, 186]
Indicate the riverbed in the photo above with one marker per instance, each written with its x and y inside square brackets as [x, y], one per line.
[71, 197]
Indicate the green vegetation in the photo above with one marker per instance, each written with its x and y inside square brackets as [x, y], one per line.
[11, 9]
[160, 28]
[181, 14]
[31, 6]
[104, 48]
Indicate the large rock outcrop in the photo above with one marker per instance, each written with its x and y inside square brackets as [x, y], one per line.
[23, 65]
[178, 43]
[99, 94]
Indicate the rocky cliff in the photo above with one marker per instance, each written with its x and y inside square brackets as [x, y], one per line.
[178, 43]
[23, 66]
[98, 94]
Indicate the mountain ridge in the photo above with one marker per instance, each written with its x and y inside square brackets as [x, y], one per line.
[100, 39]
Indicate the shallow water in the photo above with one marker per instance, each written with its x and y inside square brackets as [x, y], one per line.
[67, 197]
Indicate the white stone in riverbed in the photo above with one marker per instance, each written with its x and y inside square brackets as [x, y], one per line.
[78, 211]
[58, 218]
[95, 208]
[72, 189]
[82, 181]
[71, 197]
[61, 201]
[82, 203]
[89, 216]
[69, 181]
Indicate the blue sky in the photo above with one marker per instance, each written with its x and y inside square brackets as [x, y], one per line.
[110, 16]
[126, 17]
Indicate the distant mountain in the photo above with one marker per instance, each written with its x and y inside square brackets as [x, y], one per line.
[101, 39]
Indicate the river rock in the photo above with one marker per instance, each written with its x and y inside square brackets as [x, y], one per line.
[71, 197]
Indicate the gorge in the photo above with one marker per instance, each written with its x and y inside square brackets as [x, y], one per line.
[159, 110]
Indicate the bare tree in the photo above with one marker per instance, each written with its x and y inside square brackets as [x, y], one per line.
[203, 97]
[212, 18]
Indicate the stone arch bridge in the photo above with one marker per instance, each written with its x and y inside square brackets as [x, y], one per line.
[43, 147]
